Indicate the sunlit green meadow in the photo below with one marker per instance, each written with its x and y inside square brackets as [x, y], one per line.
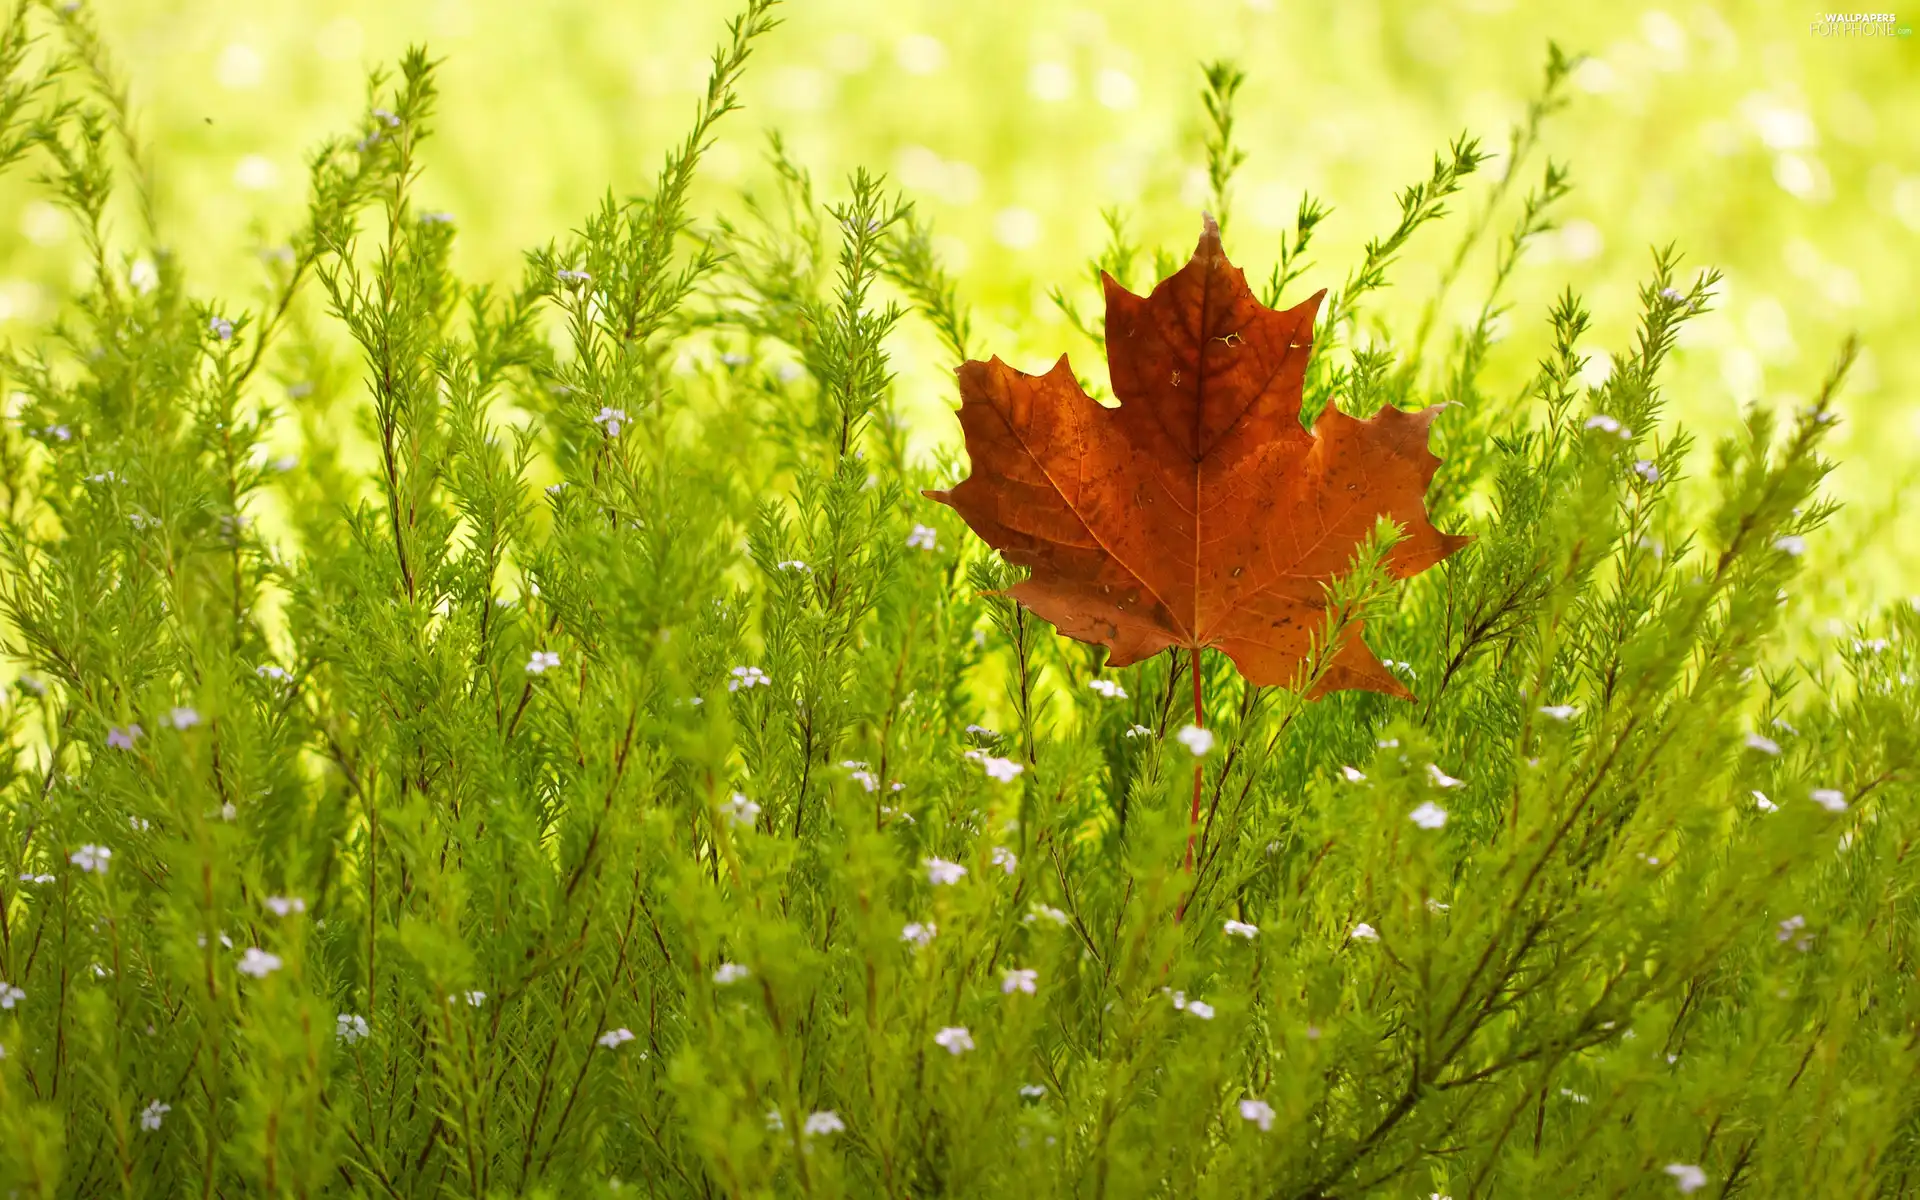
[1787, 159]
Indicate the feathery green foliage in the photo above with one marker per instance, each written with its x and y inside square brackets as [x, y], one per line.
[390, 824]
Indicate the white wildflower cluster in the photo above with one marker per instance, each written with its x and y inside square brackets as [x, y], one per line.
[1000, 770]
[1047, 913]
[1609, 424]
[747, 677]
[1110, 688]
[285, 906]
[542, 661]
[922, 538]
[613, 1039]
[954, 1039]
[350, 1028]
[1259, 1112]
[919, 933]
[258, 963]
[940, 871]
[1195, 1008]
[1019, 979]
[1241, 929]
[10, 995]
[122, 737]
[1428, 816]
[1198, 741]
[610, 420]
[1005, 859]
[740, 811]
[91, 858]
[727, 973]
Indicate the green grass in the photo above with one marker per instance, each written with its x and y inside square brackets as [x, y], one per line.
[513, 726]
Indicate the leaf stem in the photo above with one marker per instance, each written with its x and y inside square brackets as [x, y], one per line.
[1199, 722]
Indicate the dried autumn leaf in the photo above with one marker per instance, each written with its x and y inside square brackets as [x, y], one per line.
[1199, 512]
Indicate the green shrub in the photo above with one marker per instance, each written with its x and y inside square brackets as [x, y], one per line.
[390, 824]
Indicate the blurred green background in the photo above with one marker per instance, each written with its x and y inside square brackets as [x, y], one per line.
[1785, 158]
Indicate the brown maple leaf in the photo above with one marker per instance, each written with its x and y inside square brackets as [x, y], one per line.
[1199, 512]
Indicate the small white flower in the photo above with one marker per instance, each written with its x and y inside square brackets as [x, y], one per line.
[775, 1121]
[270, 671]
[350, 1028]
[1761, 802]
[473, 999]
[1019, 979]
[981, 731]
[10, 995]
[1792, 544]
[747, 677]
[282, 906]
[123, 739]
[1353, 775]
[1831, 799]
[139, 824]
[91, 858]
[1033, 1091]
[221, 328]
[1364, 932]
[1005, 860]
[1428, 816]
[1560, 712]
[728, 973]
[1435, 906]
[922, 538]
[258, 963]
[1441, 778]
[1139, 731]
[919, 932]
[183, 718]
[1647, 469]
[1201, 1009]
[1762, 743]
[1388, 743]
[610, 420]
[573, 277]
[740, 810]
[823, 1123]
[1686, 1177]
[792, 564]
[29, 877]
[1241, 929]
[228, 812]
[542, 660]
[1259, 1112]
[154, 1113]
[1000, 770]
[865, 779]
[613, 1039]
[1046, 912]
[940, 871]
[1197, 740]
[1110, 688]
[1603, 421]
[1789, 927]
[954, 1039]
